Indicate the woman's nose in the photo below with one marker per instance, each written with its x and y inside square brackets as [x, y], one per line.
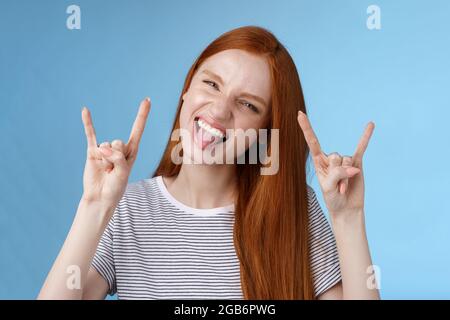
[220, 111]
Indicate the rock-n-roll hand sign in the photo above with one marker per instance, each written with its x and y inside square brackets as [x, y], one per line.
[340, 177]
[108, 165]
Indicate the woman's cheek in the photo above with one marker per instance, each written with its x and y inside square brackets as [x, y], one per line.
[200, 97]
[244, 139]
[192, 102]
[185, 113]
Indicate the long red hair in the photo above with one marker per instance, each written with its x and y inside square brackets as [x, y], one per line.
[271, 213]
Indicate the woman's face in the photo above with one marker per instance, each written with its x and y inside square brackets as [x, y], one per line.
[230, 90]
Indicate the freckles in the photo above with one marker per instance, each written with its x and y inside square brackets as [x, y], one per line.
[200, 97]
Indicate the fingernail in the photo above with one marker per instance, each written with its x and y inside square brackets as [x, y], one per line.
[106, 151]
[147, 99]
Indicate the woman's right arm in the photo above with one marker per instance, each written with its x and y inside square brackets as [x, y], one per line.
[68, 276]
[104, 182]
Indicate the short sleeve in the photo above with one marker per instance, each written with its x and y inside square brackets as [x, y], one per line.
[103, 260]
[324, 257]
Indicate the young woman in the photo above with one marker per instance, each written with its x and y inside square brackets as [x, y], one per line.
[223, 231]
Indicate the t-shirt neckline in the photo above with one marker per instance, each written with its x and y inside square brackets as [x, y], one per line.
[195, 211]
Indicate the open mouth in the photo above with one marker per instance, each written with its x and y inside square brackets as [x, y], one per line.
[207, 135]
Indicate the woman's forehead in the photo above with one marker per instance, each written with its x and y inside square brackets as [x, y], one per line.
[241, 68]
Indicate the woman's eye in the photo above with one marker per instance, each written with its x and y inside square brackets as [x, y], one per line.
[212, 84]
[250, 106]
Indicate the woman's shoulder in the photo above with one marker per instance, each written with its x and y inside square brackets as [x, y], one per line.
[312, 197]
[140, 186]
[310, 190]
[314, 209]
[140, 194]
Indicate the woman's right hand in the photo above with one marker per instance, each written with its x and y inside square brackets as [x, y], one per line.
[108, 165]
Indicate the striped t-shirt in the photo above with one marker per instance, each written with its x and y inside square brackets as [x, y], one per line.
[156, 247]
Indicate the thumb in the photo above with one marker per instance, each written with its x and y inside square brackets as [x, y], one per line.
[117, 158]
[339, 173]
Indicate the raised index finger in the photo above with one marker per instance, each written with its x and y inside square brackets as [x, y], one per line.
[88, 128]
[139, 123]
[364, 141]
[310, 136]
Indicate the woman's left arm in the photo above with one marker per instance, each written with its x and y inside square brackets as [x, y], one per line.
[342, 182]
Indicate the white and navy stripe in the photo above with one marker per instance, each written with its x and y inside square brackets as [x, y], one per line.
[155, 247]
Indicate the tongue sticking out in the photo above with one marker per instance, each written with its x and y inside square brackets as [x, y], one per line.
[204, 138]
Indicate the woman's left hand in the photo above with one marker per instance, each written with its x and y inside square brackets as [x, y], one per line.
[340, 177]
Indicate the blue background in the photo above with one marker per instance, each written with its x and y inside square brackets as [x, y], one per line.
[397, 76]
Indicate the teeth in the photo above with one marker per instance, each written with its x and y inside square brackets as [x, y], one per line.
[207, 127]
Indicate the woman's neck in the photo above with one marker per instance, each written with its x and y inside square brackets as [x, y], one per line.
[204, 186]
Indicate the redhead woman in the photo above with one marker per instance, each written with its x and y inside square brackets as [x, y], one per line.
[221, 230]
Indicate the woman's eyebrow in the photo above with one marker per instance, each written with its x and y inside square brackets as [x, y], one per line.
[255, 97]
[244, 94]
[213, 75]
